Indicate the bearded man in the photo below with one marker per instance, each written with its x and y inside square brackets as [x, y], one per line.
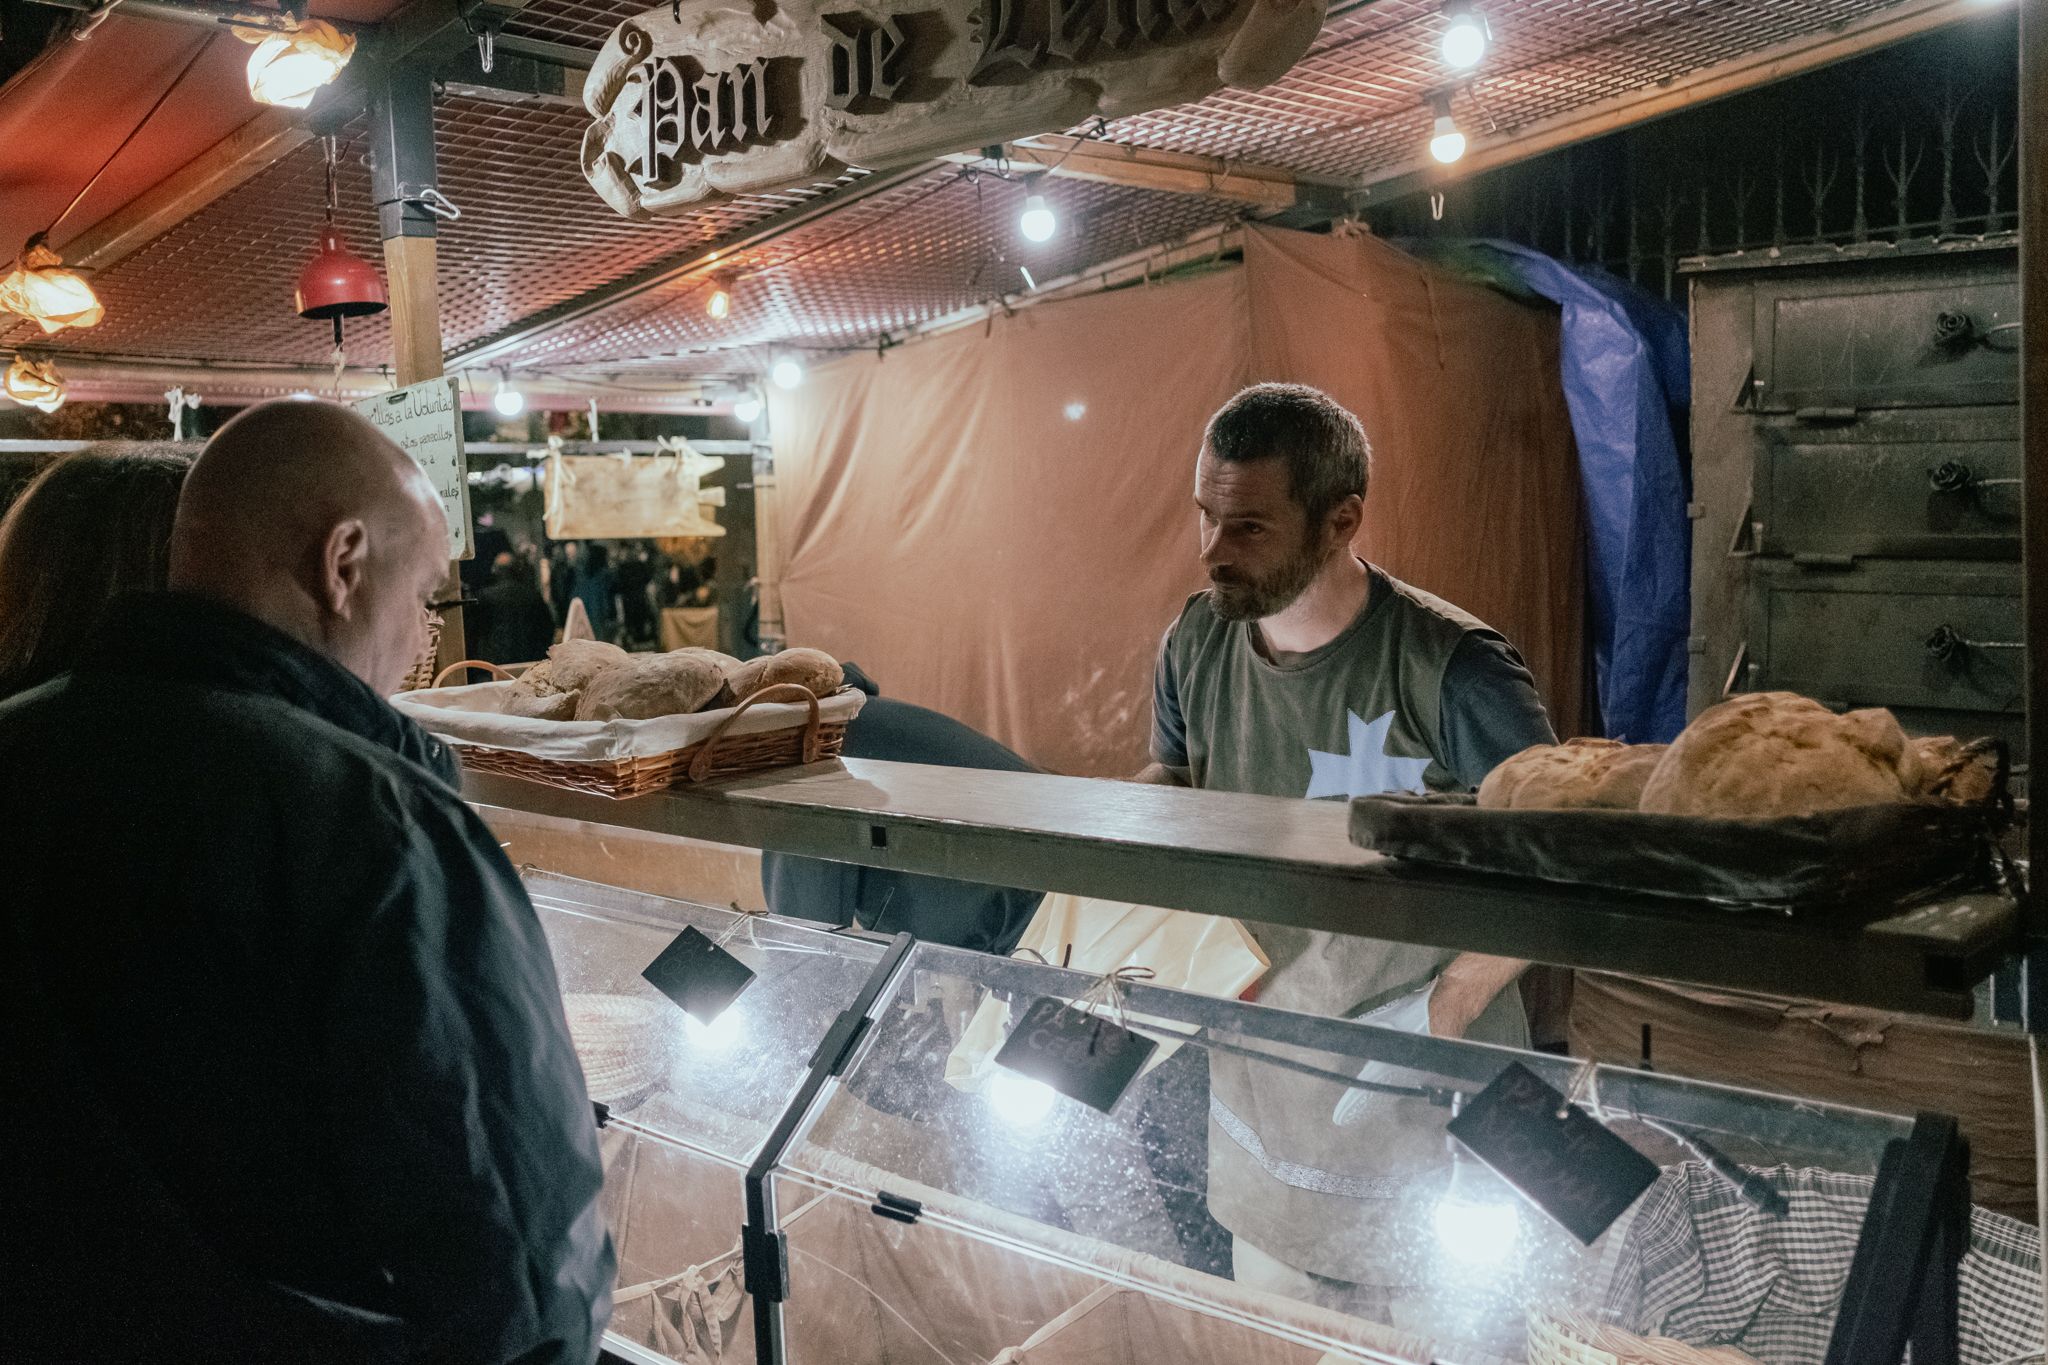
[1305, 671]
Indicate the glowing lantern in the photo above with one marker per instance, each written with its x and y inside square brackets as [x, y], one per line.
[34, 383]
[42, 291]
[289, 67]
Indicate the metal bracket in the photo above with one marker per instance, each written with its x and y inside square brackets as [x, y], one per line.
[898, 1207]
[431, 199]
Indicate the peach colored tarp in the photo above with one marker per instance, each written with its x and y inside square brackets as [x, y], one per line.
[998, 523]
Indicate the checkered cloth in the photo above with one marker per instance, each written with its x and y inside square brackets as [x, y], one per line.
[1700, 1265]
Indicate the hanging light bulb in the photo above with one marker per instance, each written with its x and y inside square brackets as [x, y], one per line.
[1465, 36]
[1446, 141]
[508, 400]
[719, 305]
[1037, 222]
[788, 372]
[747, 408]
[34, 383]
[42, 291]
[289, 67]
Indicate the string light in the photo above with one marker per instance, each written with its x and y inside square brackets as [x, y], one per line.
[508, 400]
[747, 408]
[1446, 141]
[1465, 37]
[788, 372]
[290, 66]
[39, 289]
[719, 305]
[34, 383]
[1037, 222]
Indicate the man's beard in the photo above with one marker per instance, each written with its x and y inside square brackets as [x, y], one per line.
[1237, 598]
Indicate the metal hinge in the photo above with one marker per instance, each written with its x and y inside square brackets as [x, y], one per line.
[899, 1207]
[764, 1257]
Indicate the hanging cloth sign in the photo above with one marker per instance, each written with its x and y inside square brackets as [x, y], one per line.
[620, 497]
[425, 421]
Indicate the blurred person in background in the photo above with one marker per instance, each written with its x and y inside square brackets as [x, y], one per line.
[635, 576]
[597, 587]
[514, 624]
[562, 564]
[89, 527]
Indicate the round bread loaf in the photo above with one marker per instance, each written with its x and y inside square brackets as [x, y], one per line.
[724, 663]
[621, 1041]
[553, 706]
[569, 667]
[812, 669]
[1580, 774]
[1950, 770]
[1767, 754]
[651, 685]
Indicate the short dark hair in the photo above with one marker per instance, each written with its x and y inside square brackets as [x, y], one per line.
[1328, 457]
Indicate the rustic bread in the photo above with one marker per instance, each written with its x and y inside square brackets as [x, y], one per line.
[553, 706]
[569, 667]
[1950, 770]
[812, 669]
[651, 685]
[1767, 754]
[1580, 774]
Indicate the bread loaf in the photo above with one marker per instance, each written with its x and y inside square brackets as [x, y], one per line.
[1950, 770]
[651, 685]
[553, 706]
[1767, 754]
[1580, 774]
[569, 667]
[812, 669]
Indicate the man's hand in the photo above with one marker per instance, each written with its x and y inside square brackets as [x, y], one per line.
[1159, 775]
[1465, 988]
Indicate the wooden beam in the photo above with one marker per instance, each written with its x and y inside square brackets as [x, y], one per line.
[236, 159]
[2033, 150]
[1766, 66]
[1270, 188]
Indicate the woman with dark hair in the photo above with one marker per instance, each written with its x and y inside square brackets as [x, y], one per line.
[91, 526]
[597, 586]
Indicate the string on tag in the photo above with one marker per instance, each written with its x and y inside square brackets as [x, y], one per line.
[1582, 1080]
[731, 931]
[1107, 990]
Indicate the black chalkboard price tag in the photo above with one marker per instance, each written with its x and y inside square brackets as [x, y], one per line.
[1573, 1168]
[698, 975]
[1081, 1055]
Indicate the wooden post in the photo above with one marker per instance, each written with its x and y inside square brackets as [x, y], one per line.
[402, 156]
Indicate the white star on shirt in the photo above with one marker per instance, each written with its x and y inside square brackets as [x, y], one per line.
[1368, 769]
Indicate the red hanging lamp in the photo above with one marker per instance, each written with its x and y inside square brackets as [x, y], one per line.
[337, 283]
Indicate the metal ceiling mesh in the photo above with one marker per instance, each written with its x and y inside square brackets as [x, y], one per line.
[533, 236]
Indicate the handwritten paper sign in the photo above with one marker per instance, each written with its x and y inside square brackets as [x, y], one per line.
[425, 421]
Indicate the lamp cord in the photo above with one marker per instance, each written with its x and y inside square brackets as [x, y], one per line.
[205, 41]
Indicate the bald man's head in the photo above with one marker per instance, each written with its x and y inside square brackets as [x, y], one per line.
[303, 516]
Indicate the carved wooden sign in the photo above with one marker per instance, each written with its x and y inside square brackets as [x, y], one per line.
[705, 99]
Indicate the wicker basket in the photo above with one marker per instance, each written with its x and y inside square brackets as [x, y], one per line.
[621, 1041]
[1562, 1337]
[719, 755]
[423, 675]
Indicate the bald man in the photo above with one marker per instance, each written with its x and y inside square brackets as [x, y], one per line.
[288, 1077]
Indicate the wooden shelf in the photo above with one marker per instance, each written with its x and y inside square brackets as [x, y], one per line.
[1291, 862]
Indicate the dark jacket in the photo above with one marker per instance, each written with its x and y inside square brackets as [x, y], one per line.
[288, 1076]
[989, 919]
[514, 625]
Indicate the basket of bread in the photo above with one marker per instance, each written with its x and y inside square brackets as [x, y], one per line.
[1768, 799]
[592, 717]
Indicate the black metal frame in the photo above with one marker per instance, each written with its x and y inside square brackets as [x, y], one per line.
[764, 1249]
[1902, 1283]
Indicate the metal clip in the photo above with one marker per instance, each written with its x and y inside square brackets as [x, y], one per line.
[430, 199]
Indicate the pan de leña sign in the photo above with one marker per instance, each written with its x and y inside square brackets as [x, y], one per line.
[425, 421]
[706, 99]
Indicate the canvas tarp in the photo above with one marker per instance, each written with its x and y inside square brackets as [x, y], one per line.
[998, 522]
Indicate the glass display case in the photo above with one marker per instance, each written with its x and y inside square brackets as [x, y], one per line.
[1271, 1187]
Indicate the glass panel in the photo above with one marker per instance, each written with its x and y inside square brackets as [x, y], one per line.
[690, 1103]
[1248, 1183]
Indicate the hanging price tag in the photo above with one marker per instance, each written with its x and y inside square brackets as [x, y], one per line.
[1077, 1053]
[1573, 1168]
[698, 975]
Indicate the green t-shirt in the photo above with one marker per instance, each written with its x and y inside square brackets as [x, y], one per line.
[1414, 695]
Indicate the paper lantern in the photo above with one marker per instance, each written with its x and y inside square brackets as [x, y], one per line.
[34, 383]
[288, 68]
[42, 291]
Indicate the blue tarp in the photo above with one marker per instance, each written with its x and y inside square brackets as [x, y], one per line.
[1628, 384]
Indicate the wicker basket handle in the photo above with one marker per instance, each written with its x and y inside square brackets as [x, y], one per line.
[460, 664]
[700, 766]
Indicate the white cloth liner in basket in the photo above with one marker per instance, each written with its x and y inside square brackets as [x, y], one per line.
[471, 716]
